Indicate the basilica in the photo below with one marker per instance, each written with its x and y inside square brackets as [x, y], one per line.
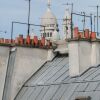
[49, 20]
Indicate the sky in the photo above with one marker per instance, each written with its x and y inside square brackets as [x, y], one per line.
[17, 10]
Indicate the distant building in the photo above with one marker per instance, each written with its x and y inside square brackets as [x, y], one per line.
[48, 20]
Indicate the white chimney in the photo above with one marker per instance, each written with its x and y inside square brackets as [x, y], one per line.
[83, 55]
[79, 57]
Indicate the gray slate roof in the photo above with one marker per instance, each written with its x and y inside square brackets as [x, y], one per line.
[52, 82]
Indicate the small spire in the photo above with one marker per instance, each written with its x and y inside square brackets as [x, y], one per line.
[49, 4]
[67, 14]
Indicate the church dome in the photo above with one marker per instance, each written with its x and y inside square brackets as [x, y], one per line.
[48, 18]
[49, 21]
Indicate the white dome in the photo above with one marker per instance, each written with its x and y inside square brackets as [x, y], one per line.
[48, 18]
[55, 36]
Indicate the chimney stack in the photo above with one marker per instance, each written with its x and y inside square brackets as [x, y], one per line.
[83, 54]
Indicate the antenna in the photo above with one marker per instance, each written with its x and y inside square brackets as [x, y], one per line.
[84, 14]
[70, 4]
[97, 16]
[29, 2]
[95, 21]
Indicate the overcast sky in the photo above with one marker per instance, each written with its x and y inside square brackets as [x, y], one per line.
[16, 10]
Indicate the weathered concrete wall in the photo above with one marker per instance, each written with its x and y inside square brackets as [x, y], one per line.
[17, 65]
[83, 55]
[4, 56]
[73, 59]
[85, 48]
[9, 72]
[79, 57]
[95, 57]
[27, 62]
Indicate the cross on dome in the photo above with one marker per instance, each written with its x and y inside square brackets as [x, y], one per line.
[49, 4]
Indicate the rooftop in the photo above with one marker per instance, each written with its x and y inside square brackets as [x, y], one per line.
[52, 82]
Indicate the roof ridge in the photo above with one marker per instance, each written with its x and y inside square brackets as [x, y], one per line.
[59, 83]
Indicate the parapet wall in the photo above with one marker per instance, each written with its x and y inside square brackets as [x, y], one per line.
[17, 65]
[4, 56]
[27, 62]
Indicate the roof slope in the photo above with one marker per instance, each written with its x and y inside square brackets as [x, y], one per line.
[52, 82]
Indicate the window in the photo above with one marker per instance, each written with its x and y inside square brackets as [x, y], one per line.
[83, 98]
[44, 34]
[50, 34]
[66, 28]
[51, 25]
